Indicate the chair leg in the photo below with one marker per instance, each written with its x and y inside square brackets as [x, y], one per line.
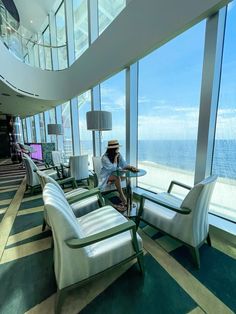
[60, 296]
[74, 184]
[208, 239]
[141, 263]
[31, 190]
[44, 224]
[137, 221]
[196, 256]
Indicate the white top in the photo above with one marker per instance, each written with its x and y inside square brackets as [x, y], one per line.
[108, 167]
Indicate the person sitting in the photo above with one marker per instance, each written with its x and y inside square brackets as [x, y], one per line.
[111, 161]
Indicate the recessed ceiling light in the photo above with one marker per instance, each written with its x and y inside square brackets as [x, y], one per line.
[31, 21]
[5, 94]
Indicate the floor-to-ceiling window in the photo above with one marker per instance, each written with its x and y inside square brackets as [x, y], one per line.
[67, 133]
[47, 50]
[42, 127]
[61, 37]
[41, 53]
[86, 145]
[36, 52]
[80, 12]
[107, 12]
[24, 130]
[168, 109]
[113, 100]
[52, 120]
[32, 129]
[224, 158]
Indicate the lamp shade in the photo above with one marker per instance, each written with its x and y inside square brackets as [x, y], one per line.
[55, 129]
[99, 120]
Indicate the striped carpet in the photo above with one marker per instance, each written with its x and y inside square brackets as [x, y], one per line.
[171, 284]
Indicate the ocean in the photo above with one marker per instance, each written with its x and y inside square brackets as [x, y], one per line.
[181, 154]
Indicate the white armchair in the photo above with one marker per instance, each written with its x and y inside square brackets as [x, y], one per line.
[185, 220]
[78, 168]
[81, 200]
[89, 245]
[32, 179]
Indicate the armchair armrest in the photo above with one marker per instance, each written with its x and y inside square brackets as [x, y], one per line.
[84, 195]
[184, 211]
[79, 243]
[172, 183]
[47, 168]
[68, 180]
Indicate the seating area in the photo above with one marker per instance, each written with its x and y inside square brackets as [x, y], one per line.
[90, 244]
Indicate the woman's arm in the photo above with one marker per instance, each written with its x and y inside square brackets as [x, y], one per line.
[123, 164]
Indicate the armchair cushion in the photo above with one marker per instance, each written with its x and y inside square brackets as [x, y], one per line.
[159, 215]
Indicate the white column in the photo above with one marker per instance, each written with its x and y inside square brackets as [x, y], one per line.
[213, 53]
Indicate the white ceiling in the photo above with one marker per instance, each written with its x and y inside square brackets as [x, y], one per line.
[35, 11]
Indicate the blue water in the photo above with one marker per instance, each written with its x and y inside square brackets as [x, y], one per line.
[182, 154]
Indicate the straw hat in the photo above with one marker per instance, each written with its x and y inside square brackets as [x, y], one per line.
[113, 144]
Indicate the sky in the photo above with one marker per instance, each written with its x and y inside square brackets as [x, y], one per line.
[169, 88]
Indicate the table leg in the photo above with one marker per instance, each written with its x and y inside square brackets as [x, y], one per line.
[129, 195]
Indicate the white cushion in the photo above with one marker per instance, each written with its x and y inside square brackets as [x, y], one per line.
[75, 192]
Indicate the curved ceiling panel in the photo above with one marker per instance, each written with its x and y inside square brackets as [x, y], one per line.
[133, 31]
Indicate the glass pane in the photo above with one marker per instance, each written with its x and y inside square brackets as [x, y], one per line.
[224, 196]
[36, 55]
[80, 9]
[67, 135]
[47, 50]
[113, 100]
[52, 120]
[86, 144]
[18, 130]
[168, 108]
[41, 54]
[42, 127]
[107, 12]
[31, 53]
[32, 129]
[61, 37]
[24, 130]
[13, 39]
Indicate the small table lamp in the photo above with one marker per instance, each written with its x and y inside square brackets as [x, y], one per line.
[98, 120]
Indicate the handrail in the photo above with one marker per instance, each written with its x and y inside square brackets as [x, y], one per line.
[28, 39]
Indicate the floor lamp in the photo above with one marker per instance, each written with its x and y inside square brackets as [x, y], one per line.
[98, 120]
[55, 129]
